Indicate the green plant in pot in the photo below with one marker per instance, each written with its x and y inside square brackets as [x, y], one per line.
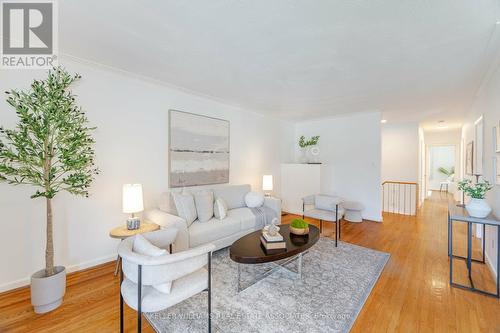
[299, 227]
[50, 149]
[309, 149]
[477, 206]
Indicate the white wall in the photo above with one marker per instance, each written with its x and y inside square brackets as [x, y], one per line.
[488, 105]
[350, 149]
[400, 152]
[131, 116]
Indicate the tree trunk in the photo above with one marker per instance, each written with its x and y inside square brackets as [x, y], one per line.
[49, 250]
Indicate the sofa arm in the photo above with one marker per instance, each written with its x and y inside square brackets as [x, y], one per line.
[166, 220]
[275, 205]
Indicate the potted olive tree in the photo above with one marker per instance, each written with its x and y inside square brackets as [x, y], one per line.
[51, 149]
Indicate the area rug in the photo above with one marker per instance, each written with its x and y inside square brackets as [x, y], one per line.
[336, 281]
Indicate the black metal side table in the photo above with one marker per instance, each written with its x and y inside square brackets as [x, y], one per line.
[459, 214]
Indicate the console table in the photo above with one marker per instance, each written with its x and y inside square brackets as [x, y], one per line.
[459, 214]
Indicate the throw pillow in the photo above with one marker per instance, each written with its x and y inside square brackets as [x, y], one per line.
[325, 202]
[204, 202]
[220, 209]
[144, 247]
[254, 199]
[186, 208]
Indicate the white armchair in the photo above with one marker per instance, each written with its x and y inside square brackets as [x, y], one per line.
[185, 270]
[324, 208]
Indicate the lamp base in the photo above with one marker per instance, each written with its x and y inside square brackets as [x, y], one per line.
[133, 223]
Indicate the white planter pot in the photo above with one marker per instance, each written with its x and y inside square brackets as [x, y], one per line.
[47, 292]
[478, 208]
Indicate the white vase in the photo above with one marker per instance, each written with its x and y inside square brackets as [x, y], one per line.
[303, 155]
[478, 208]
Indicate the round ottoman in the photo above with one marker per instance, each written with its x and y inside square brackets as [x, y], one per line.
[353, 211]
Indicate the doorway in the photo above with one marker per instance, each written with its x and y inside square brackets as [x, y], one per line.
[441, 161]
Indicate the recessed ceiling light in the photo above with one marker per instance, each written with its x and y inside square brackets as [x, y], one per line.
[442, 125]
[383, 121]
[498, 22]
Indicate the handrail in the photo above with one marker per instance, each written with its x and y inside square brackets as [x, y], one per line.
[398, 182]
[397, 203]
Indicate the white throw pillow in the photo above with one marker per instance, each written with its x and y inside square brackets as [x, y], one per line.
[220, 209]
[254, 199]
[144, 247]
[204, 202]
[326, 202]
[184, 203]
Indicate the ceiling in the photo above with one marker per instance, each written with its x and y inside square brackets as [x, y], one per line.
[411, 60]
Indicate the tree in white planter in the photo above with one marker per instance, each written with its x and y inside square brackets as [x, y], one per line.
[51, 148]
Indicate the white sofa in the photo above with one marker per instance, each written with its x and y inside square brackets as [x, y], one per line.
[240, 219]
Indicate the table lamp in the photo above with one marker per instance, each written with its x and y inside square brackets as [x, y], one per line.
[267, 184]
[132, 203]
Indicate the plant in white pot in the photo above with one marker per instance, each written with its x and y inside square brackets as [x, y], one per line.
[477, 206]
[309, 150]
[51, 149]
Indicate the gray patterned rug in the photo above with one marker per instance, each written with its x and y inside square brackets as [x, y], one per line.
[335, 284]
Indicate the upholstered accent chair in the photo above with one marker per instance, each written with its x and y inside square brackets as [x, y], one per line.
[185, 274]
[324, 208]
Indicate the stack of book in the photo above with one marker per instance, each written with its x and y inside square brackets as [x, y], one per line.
[274, 243]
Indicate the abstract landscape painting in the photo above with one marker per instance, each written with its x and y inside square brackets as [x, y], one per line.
[198, 150]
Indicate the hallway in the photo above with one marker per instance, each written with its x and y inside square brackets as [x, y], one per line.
[413, 292]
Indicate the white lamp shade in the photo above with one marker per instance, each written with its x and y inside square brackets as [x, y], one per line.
[267, 182]
[132, 198]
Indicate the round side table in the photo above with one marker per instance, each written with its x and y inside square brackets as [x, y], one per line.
[122, 233]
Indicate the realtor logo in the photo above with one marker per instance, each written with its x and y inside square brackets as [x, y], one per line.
[29, 34]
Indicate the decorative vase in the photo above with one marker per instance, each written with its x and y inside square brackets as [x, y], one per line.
[478, 208]
[299, 231]
[303, 155]
[47, 292]
[313, 154]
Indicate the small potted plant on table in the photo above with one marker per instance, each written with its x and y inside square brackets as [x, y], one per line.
[477, 206]
[299, 227]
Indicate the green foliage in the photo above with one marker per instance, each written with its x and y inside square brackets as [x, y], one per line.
[299, 224]
[447, 172]
[51, 148]
[311, 142]
[476, 191]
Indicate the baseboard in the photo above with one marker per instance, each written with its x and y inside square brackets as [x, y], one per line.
[69, 269]
[490, 266]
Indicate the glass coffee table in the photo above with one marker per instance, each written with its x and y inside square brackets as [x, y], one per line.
[248, 250]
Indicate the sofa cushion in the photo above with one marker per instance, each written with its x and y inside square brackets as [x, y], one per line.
[214, 229]
[184, 202]
[245, 216]
[220, 209]
[254, 199]
[204, 201]
[167, 203]
[233, 195]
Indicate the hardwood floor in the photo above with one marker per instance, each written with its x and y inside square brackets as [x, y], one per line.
[412, 294]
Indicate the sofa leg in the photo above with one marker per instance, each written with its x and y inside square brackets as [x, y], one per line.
[320, 226]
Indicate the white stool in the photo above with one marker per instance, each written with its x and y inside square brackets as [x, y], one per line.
[353, 211]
